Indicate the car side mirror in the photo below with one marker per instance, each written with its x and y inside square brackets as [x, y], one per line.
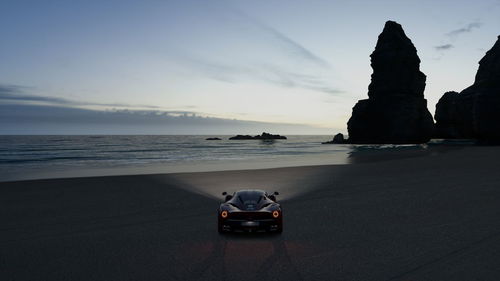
[272, 197]
[276, 193]
[228, 197]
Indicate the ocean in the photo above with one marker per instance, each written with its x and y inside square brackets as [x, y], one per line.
[39, 157]
[34, 157]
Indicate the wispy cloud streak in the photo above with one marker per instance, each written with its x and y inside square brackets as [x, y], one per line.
[454, 34]
[268, 56]
[444, 47]
[288, 44]
[292, 46]
[466, 29]
[15, 93]
[233, 73]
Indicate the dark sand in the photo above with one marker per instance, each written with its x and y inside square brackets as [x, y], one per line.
[431, 217]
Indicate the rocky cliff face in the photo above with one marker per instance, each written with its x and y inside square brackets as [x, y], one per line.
[396, 111]
[475, 112]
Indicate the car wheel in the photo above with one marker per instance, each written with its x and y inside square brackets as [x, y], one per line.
[279, 229]
[220, 227]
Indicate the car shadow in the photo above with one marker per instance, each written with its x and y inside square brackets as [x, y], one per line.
[243, 235]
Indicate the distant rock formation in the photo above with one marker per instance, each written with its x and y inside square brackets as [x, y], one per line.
[475, 112]
[242, 137]
[396, 111]
[264, 136]
[212, 139]
[337, 139]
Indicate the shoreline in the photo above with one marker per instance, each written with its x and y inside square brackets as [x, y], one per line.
[357, 155]
[158, 169]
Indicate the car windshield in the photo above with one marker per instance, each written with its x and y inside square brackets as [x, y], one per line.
[250, 197]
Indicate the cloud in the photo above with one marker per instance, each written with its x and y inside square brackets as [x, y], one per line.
[300, 80]
[468, 28]
[288, 44]
[444, 47]
[24, 113]
[256, 51]
[271, 74]
[41, 119]
[11, 89]
[16, 94]
[455, 33]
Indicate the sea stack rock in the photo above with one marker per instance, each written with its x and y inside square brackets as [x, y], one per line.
[337, 139]
[475, 112]
[396, 111]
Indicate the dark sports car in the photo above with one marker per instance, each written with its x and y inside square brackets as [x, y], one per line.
[250, 210]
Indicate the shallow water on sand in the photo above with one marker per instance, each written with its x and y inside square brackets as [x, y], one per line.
[35, 157]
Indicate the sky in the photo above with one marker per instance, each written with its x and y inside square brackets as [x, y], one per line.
[301, 63]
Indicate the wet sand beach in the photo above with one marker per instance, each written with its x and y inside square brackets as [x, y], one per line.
[429, 216]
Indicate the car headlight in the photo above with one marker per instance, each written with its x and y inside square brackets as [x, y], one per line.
[276, 214]
[224, 214]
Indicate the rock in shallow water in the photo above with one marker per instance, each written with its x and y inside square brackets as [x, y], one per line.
[396, 111]
[337, 139]
[264, 136]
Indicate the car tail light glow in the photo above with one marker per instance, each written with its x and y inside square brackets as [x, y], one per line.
[223, 214]
[276, 214]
